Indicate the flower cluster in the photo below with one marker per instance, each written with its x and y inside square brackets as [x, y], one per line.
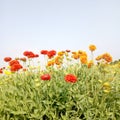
[106, 57]
[57, 59]
[30, 54]
[71, 78]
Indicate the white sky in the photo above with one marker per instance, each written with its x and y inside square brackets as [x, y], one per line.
[60, 25]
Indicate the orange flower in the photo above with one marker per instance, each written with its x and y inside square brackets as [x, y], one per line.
[80, 52]
[58, 60]
[83, 59]
[50, 63]
[107, 57]
[74, 52]
[90, 63]
[61, 53]
[92, 48]
[75, 56]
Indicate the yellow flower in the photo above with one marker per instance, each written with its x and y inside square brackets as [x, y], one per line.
[106, 91]
[37, 84]
[36, 80]
[7, 72]
[106, 85]
[100, 81]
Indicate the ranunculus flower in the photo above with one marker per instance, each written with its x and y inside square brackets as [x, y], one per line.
[107, 57]
[45, 77]
[15, 67]
[51, 53]
[70, 78]
[7, 59]
[26, 53]
[83, 59]
[29, 54]
[12, 62]
[44, 52]
[92, 47]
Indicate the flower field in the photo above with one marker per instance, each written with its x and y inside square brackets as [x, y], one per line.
[68, 86]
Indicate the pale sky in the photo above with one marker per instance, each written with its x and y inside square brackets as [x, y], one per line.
[60, 25]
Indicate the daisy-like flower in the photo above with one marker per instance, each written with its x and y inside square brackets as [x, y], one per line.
[92, 48]
[45, 77]
[70, 78]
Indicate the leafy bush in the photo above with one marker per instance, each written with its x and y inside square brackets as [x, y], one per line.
[95, 95]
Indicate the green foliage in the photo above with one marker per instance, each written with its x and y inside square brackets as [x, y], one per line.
[24, 96]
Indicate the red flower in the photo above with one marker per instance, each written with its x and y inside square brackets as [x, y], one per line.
[51, 53]
[26, 53]
[13, 62]
[29, 54]
[15, 67]
[1, 71]
[7, 59]
[44, 52]
[45, 77]
[70, 78]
